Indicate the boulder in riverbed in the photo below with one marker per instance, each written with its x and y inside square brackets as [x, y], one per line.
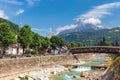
[85, 74]
[76, 76]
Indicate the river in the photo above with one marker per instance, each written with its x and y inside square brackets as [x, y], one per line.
[74, 74]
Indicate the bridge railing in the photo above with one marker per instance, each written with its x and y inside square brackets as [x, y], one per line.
[96, 49]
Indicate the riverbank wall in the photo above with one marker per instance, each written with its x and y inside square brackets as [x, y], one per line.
[113, 72]
[9, 67]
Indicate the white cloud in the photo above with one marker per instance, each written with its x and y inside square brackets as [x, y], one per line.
[15, 2]
[93, 16]
[101, 27]
[2, 14]
[37, 29]
[20, 11]
[67, 27]
[100, 11]
[31, 2]
[93, 21]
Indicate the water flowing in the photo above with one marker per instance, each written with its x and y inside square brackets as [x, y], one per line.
[74, 74]
[81, 69]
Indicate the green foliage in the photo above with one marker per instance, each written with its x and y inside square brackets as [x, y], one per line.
[52, 72]
[10, 56]
[102, 42]
[110, 44]
[56, 42]
[25, 36]
[13, 27]
[23, 78]
[7, 37]
[80, 44]
[27, 51]
[53, 45]
[113, 56]
[72, 45]
[36, 42]
[45, 43]
[92, 38]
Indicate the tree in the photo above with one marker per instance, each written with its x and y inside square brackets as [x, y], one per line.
[117, 43]
[25, 37]
[45, 43]
[72, 45]
[36, 42]
[102, 42]
[7, 37]
[80, 44]
[56, 42]
[110, 44]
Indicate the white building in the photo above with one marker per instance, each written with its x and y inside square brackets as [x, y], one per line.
[14, 49]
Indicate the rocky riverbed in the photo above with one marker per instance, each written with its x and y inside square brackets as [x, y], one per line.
[75, 73]
[96, 75]
[42, 74]
[40, 68]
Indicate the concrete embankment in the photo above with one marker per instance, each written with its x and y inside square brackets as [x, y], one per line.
[13, 67]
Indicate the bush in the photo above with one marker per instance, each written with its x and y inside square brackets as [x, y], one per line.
[10, 56]
[22, 78]
[33, 52]
[52, 72]
[29, 53]
[114, 56]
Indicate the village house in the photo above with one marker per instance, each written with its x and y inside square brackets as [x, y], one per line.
[60, 50]
[14, 49]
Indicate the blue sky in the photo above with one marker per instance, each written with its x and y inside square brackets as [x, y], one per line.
[60, 15]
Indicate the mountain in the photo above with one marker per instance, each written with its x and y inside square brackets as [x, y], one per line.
[92, 37]
[89, 33]
[82, 27]
[14, 27]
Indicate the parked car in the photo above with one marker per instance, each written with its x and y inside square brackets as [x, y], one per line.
[1, 56]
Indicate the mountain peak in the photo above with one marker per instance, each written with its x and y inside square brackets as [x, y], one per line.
[83, 26]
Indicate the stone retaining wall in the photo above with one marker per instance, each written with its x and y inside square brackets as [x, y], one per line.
[19, 65]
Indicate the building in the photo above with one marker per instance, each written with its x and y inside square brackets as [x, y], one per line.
[14, 49]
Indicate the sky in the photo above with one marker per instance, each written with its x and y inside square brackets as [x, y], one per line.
[59, 15]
